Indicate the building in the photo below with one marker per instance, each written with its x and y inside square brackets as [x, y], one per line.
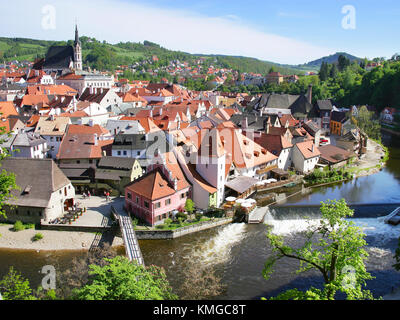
[337, 121]
[305, 156]
[45, 192]
[160, 193]
[116, 173]
[52, 129]
[26, 145]
[278, 146]
[275, 78]
[323, 110]
[82, 80]
[334, 157]
[62, 59]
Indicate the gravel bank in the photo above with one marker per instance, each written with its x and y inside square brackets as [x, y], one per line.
[52, 240]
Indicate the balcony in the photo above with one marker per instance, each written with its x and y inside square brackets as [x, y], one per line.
[265, 169]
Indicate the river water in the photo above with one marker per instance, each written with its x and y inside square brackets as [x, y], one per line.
[238, 252]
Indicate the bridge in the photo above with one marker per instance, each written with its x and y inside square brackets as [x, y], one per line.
[131, 243]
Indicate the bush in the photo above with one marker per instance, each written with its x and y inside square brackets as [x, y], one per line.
[182, 216]
[198, 216]
[18, 226]
[168, 221]
[37, 237]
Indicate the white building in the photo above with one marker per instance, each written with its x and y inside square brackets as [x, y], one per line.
[305, 156]
[53, 130]
[45, 192]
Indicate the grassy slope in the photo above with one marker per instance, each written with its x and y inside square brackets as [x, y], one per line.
[244, 64]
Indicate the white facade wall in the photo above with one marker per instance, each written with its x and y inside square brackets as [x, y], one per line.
[213, 171]
[55, 208]
[301, 164]
[285, 159]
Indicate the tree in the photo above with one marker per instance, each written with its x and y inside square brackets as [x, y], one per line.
[14, 287]
[7, 179]
[333, 71]
[77, 275]
[343, 62]
[333, 247]
[368, 124]
[324, 71]
[121, 279]
[189, 206]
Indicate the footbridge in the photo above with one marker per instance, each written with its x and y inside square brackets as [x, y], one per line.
[131, 243]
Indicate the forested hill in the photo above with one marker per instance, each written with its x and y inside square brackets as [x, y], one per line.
[330, 59]
[105, 56]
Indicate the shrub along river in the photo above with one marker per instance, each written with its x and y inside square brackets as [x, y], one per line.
[238, 252]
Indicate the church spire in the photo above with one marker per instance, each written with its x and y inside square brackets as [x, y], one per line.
[77, 41]
[77, 51]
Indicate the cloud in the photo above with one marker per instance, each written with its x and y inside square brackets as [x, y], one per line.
[118, 20]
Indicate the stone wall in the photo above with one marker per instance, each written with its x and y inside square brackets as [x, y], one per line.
[172, 234]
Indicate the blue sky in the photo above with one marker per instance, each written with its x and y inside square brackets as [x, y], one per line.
[286, 31]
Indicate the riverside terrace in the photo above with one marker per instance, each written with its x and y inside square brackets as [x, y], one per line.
[95, 219]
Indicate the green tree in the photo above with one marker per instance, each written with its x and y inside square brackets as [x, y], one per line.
[343, 62]
[121, 279]
[333, 247]
[14, 287]
[7, 179]
[189, 206]
[367, 123]
[324, 71]
[333, 71]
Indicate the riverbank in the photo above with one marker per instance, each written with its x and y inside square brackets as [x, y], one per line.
[52, 240]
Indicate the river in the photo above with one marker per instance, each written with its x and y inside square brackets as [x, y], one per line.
[238, 252]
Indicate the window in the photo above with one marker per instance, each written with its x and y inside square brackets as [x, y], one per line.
[129, 196]
[137, 199]
[167, 202]
[157, 205]
[125, 153]
[119, 153]
[146, 204]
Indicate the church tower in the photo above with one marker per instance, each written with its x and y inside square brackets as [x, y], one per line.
[77, 51]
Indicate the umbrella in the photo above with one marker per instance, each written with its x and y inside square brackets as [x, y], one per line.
[251, 201]
[230, 199]
[239, 201]
[246, 205]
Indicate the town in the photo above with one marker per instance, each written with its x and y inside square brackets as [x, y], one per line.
[111, 153]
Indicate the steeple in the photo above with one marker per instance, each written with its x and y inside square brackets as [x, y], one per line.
[77, 51]
[77, 41]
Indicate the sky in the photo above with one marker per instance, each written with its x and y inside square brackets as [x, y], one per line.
[285, 31]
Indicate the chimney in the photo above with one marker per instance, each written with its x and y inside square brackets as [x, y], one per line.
[267, 129]
[91, 123]
[312, 148]
[309, 94]
[96, 142]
